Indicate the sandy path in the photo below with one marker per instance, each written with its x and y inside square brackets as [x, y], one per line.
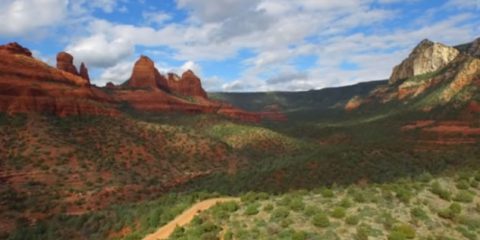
[185, 218]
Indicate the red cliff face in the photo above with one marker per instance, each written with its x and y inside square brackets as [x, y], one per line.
[188, 85]
[84, 72]
[145, 75]
[29, 85]
[110, 85]
[15, 48]
[65, 63]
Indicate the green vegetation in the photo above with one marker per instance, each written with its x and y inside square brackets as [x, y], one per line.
[381, 214]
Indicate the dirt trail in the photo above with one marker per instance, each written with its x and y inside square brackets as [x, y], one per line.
[185, 218]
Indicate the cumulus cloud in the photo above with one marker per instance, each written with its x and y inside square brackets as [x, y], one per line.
[275, 33]
[287, 77]
[156, 17]
[117, 74]
[99, 51]
[21, 17]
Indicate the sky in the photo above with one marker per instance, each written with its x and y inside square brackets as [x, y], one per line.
[239, 45]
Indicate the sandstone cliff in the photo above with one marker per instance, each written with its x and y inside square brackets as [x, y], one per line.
[187, 85]
[84, 72]
[29, 85]
[65, 63]
[434, 75]
[426, 57]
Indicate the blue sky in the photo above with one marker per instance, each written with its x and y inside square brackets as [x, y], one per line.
[239, 45]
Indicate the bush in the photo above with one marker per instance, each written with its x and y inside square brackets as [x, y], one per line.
[403, 194]
[338, 212]
[438, 190]
[297, 204]
[419, 213]
[405, 229]
[352, 220]
[463, 184]
[464, 197]
[228, 235]
[279, 214]
[451, 212]
[252, 209]
[396, 236]
[268, 207]
[346, 203]
[326, 193]
[359, 197]
[321, 220]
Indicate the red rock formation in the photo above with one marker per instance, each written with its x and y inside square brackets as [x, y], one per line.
[110, 85]
[145, 75]
[188, 85]
[29, 85]
[235, 113]
[273, 113]
[15, 48]
[65, 63]
[84, 72]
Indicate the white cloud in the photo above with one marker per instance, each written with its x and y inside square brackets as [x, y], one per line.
[464, 4]
[99, 51]
[117, 74]
[22, 17]
[156, 18]
[191, 65]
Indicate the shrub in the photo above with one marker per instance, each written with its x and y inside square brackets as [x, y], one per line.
[311, 210]
[297, 204]
[396, 236]
[403, 194]
[326, 193]
[438, 190]
[346, 203]
[451, 212]
[252, 209]
[228, 235]
[279, 214]
[405, 229]
[473, 223]
[359, 197]
[425, 177]
[338, 212]
[419, 213]
[463, 196]
[321, 220]
[268, 207]
[352, 220]
[463, 184]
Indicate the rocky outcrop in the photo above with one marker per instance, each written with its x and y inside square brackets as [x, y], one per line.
[29, 85]
[65, 63]
[474, 48]
[426, 57]
[15, 48]
[110, 85]
[84, 72]
[188, 85]
[145, 75]
[466, 74]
